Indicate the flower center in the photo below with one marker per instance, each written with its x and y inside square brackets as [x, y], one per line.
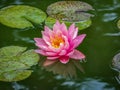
[56, 41]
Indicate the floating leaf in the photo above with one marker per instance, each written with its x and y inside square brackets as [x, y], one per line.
[11, 51]
[116, 62]
[21, 16]
[68, 7]
[80, 24]
[67, 70]
[70, 12]
[14, 61]
[16, 75]
[118, 24]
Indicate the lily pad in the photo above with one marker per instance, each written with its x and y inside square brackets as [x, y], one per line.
[118, 24]
[70, 12]
[116, 62]
[21, 16]
[14, 62]
[68, 7]
[80, 24]
[16, 75]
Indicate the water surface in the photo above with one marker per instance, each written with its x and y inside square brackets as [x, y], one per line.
[100, 45]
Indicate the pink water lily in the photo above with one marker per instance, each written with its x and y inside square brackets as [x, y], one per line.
[59, 44]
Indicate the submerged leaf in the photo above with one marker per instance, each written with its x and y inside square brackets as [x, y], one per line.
[70, 12]
[21, 16]
[14, 61]
[116, 62]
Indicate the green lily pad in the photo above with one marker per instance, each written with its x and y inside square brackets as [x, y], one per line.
[70, 12]
[118, 24]
[80, 24]
[14, 62]
[11, 51]
[21, 16]
[16, 75]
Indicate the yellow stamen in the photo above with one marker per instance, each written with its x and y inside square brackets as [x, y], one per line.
[56, 41]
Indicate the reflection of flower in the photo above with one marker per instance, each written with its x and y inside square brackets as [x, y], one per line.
[59, 44]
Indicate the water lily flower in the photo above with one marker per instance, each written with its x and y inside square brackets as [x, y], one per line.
[59, 44]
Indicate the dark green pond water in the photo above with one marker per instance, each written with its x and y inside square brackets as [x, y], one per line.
[100, 45]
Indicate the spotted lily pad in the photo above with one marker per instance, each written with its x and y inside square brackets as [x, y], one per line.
[21, 16]
[70, 12]
[15, 62]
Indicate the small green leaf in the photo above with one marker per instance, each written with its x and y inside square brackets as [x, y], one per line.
[14, 61]
[21, 16]
[80, 24]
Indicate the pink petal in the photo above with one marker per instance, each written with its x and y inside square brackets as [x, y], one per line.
[41, 43]
[47, 31]
[56, 27]
[70, 53]
[57, 23]
[72, 31]
[46, 34]
[64, 30]
[42, 52]
[39, 40]
[51, 53]
[53, 58]
[78, 40]
[64, 59]
[63, 52]
[45, 53]
[77, 55]
[46, 39]
[49, 62]
[66, 44]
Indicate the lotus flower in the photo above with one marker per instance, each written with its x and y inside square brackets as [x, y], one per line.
[59, 44]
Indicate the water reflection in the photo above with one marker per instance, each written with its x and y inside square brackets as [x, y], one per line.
[88, 84]
[18, 37]
[99, 50]
[17, 86]
[112, 34]
[115, 5]
[109, 17]
[18, 2]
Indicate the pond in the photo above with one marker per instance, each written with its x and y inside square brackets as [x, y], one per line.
[100, 45]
